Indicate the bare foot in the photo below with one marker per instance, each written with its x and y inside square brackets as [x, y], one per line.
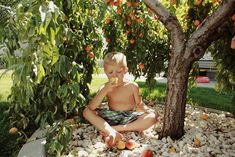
[103, 133]
[112, 139]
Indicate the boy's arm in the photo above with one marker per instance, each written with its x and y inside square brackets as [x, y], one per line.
[98, 98]
[138, 99]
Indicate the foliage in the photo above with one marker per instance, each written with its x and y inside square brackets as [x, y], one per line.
[47, 48]
[224, 57]
[60, 135]
[9, 146]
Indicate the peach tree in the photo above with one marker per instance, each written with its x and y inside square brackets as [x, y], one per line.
[188, 28]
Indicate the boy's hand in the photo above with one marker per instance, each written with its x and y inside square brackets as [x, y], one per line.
[114, 80]
[140, 107]
[109, 86]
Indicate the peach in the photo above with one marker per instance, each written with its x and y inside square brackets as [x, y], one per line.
[197, 2]
[88, 48]
[107, 20]
[140, 35]
[172, 2]
[233, 43]
[132, 41]
[130, 144]
[107, 40]
[147, 153]
[196, 23]
[91, 55]
[116, 3]
[119, 10]
[114, 79]
[204, 117]
[233, 17]
[196, 142]
[172, 149]
[129, 4]
[121, 144]
[13, 131]
[141, 66]
[129, 22]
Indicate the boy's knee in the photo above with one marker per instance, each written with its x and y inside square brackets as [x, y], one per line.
[153, 117]
[86, 112]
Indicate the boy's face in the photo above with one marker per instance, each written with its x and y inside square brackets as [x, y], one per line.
[115, 71]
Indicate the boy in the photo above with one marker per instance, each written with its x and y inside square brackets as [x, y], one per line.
[123, 102]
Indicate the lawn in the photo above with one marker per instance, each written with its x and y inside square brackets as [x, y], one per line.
[5, 85]
[206, 97]
[198, 96]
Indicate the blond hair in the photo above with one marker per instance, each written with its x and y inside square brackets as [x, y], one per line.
[112, 58]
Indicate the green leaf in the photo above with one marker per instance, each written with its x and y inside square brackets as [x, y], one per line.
[52, 36]
[55, 56]
[40, 73]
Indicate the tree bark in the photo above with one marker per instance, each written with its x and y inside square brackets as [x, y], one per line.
[177, 85]
[184, 52]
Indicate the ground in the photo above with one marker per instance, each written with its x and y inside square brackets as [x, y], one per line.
[207, 134]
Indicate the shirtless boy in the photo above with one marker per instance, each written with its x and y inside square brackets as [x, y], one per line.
[126, 110]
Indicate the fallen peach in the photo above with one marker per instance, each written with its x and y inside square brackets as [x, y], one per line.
[197, 142]
[204, 117]
[147, 153]
[172, 149]
[13, 131]
[130, 144]
[121, 144]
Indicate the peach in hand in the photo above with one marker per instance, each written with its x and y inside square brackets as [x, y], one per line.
[114, 79]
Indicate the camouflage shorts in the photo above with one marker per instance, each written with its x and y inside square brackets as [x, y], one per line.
[118, 117]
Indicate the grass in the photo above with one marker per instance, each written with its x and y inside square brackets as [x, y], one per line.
[5, 85]
[206, 97]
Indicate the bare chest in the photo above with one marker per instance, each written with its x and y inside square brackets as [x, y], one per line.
[121, 96]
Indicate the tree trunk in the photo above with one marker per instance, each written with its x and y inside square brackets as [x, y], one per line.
[175, 102]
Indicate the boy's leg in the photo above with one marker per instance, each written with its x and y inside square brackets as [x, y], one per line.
[146, 120]
[103, 126]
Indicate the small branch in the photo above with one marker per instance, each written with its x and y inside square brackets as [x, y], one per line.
[208, 27]
[211, 29]
[170, 22]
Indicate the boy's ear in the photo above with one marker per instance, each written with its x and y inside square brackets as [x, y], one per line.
[126, 70]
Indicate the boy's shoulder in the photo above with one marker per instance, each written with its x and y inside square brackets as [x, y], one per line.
[132, 84]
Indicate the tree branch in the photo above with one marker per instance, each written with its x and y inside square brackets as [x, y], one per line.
[170, 22]
[213, 24]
